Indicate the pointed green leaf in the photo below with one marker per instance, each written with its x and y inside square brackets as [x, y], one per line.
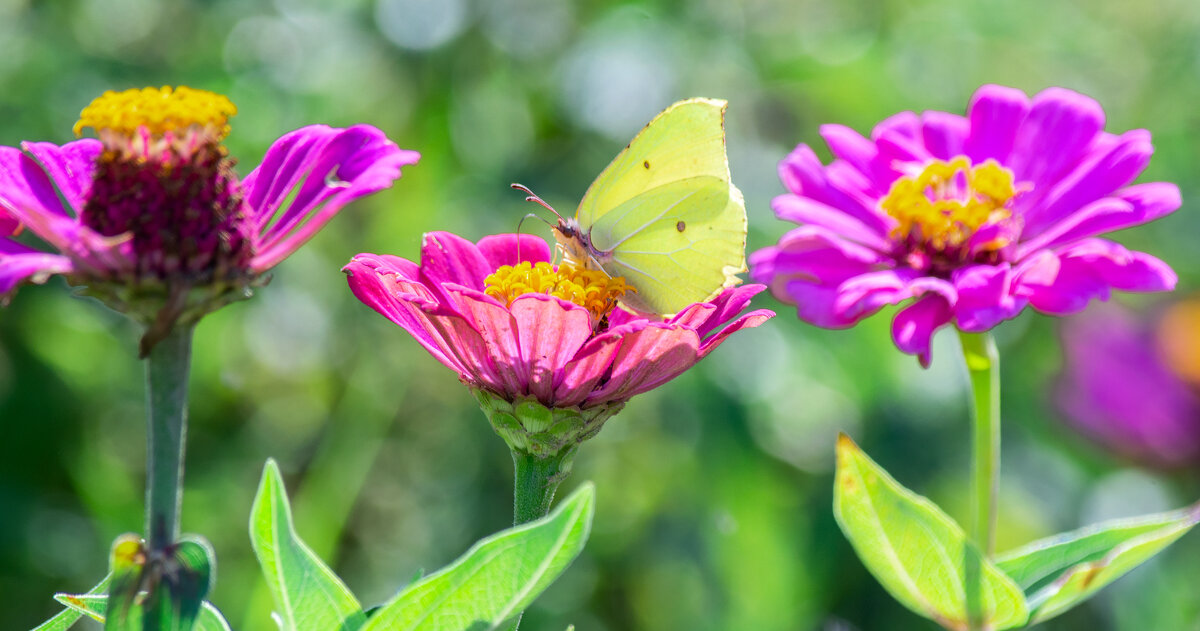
[126, 562]
[919, 555]
[96, 605]
[308, 595]
[497, 578]
[1062, 571]
[69, 616]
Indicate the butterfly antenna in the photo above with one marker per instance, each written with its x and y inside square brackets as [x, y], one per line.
[530, 196]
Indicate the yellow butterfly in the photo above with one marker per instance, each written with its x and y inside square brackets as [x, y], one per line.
[664, 215]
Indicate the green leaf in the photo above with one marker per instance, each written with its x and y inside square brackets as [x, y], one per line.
[69, 616]
[125, 565]
[308, 595]
[96, 605]
[497, 578]
[1062, 571]
[919, 555]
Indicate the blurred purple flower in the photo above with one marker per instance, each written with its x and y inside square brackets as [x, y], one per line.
[972, 217]
[151, 217]
[1123, 388]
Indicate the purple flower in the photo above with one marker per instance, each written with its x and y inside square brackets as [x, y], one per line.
[967, 219]
[1133, 388]
[151, 217]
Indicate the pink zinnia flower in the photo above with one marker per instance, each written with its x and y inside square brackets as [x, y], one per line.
[1133, 385]
[155, 221]
[518, 330]
[971, 218]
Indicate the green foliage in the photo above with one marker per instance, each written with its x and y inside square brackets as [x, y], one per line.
[308, 595]
[916, 551]
[1059, 572]
[163, 593]
[95, 605]
[497, 578]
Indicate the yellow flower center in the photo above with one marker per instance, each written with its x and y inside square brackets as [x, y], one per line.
[592, 289]
[158, 110]
[948, 201]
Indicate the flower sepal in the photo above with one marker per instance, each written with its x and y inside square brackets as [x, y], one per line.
[528, 427]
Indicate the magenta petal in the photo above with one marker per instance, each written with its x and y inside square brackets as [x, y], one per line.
[995, 112]
[805, 211]
[70, 167]
[914, 325]
[985, 297]
[1104, 172]
[748, 321]
[1090, 269]
[588, 367]
[1103, 215]
[319, 169]
[19, 263]
[648, 358]
[849, 145]
[815, 254]
[802, 173]
[509, 249]
[549, 331]
[815, 303]
[866, 294]
[8, 224]
[705, 317]
[1060, 127]
[449, 258]
[944, 134]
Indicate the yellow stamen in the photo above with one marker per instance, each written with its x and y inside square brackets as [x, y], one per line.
[592, 289]
[159, 110]
[948, 201]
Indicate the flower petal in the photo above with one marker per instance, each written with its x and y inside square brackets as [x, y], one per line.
[807, 211]
[647, 358]
[449, 258]
[802, 173]
[1060, 127]
[913, 327]
[995, 113]
[70, 167]
[985, 297]
[866, 294]
[320, 169]
[498, 329]
[1090, 269]
[19, 263]
[587, 368]
[705, 317]
[944, 134]
[549, 334]
[849, 145]
[509, 249]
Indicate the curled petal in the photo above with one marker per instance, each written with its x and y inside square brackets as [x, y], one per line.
[19, 263]
[648, 357]
[914, 325]
[318, 169]
[865, 294]
[985, 297]
[1091, 269]
[705, 317]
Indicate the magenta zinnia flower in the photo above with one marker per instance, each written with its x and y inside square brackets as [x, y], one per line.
[518, 330]
[971, 218]
[1134, 387]
[155, 221]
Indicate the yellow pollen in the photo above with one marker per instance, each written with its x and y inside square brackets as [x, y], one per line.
[592, 289]
[948, 201]
[159, 110]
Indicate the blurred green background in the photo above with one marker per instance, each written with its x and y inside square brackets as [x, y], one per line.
[715, 490]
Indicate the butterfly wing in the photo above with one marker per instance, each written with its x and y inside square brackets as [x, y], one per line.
[665, 215]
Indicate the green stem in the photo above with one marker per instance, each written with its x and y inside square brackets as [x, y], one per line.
[166, 412]
[983, 364]
[534, 482]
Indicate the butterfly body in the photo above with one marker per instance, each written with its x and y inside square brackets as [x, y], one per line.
[664, 214]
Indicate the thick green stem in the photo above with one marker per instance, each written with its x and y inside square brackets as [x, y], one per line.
[534, 482]
[983, 364]
[166, 412]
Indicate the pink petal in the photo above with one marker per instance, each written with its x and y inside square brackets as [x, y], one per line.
[498, 329]
[449, 258]
[320, 169]
[1100, 174]
[647, 358]
[866, 294]
[549, 333]
[748, 321]
[19, 263]
[70, 167]
[806, 211]
[509, 249]
[985, 297]
[849, 145]
[1091, 269]
[914, 325]
[1060, 127]
[995, 113]
[588, 367]
[944, 134]
[705, 317]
